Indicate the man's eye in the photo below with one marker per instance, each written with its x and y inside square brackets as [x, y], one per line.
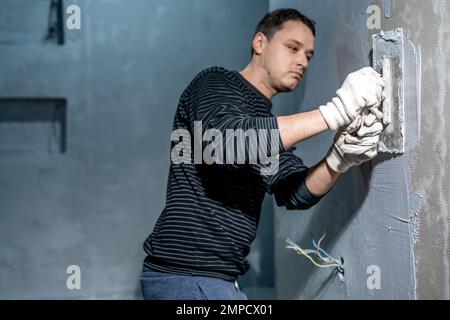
[292, 49]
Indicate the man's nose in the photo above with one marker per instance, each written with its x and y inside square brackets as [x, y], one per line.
[302, 61]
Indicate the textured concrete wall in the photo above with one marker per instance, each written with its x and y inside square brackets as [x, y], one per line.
[430, 28]
[366, 217]
[122, 75]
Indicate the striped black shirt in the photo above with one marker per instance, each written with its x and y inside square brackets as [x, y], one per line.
[212, 210]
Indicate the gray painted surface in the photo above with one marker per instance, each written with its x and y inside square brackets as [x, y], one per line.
[430, 28]
[366, 216]
[122, 75]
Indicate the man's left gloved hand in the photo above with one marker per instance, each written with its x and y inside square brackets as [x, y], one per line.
[367, 124]
[355, 144]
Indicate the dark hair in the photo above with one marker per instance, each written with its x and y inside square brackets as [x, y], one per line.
[273, 22]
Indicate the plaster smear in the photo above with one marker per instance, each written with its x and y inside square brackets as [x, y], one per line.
[430, 28]
[394, 175]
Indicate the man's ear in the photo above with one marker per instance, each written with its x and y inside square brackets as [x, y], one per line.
[259, 43]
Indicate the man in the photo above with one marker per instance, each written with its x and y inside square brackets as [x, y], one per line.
[198, 247]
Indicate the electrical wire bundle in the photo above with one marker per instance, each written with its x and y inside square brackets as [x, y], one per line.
[319, 257]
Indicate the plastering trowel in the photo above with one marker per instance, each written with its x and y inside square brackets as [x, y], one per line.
[389, 61]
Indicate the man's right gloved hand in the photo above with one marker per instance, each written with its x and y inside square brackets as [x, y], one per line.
[363, 88]
[355, 144]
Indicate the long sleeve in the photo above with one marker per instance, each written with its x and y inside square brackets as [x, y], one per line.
[218, 108]
[219, 105]
[212, 211]
[288, 184]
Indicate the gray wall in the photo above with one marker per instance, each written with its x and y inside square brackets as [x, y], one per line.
[374, 214]
[122, 75]
[430, 28]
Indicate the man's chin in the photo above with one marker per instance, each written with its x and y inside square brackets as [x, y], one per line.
[291, 86]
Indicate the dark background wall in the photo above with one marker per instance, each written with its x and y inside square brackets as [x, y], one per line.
[121, 76]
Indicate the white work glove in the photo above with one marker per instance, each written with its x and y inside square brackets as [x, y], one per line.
[363, 88]
[367, 124]
[355, 144]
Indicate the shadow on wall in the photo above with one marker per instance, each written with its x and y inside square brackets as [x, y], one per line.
[331, 215]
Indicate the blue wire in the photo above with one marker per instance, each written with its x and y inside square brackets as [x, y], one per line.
[326, 253]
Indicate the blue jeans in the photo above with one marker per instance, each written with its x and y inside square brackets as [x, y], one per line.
[166, 286]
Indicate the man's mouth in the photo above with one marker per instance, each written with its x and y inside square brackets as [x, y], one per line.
[297, 75]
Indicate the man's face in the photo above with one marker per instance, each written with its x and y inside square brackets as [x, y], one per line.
[286, 56]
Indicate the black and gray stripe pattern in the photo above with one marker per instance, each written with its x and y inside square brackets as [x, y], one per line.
[212, 211]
